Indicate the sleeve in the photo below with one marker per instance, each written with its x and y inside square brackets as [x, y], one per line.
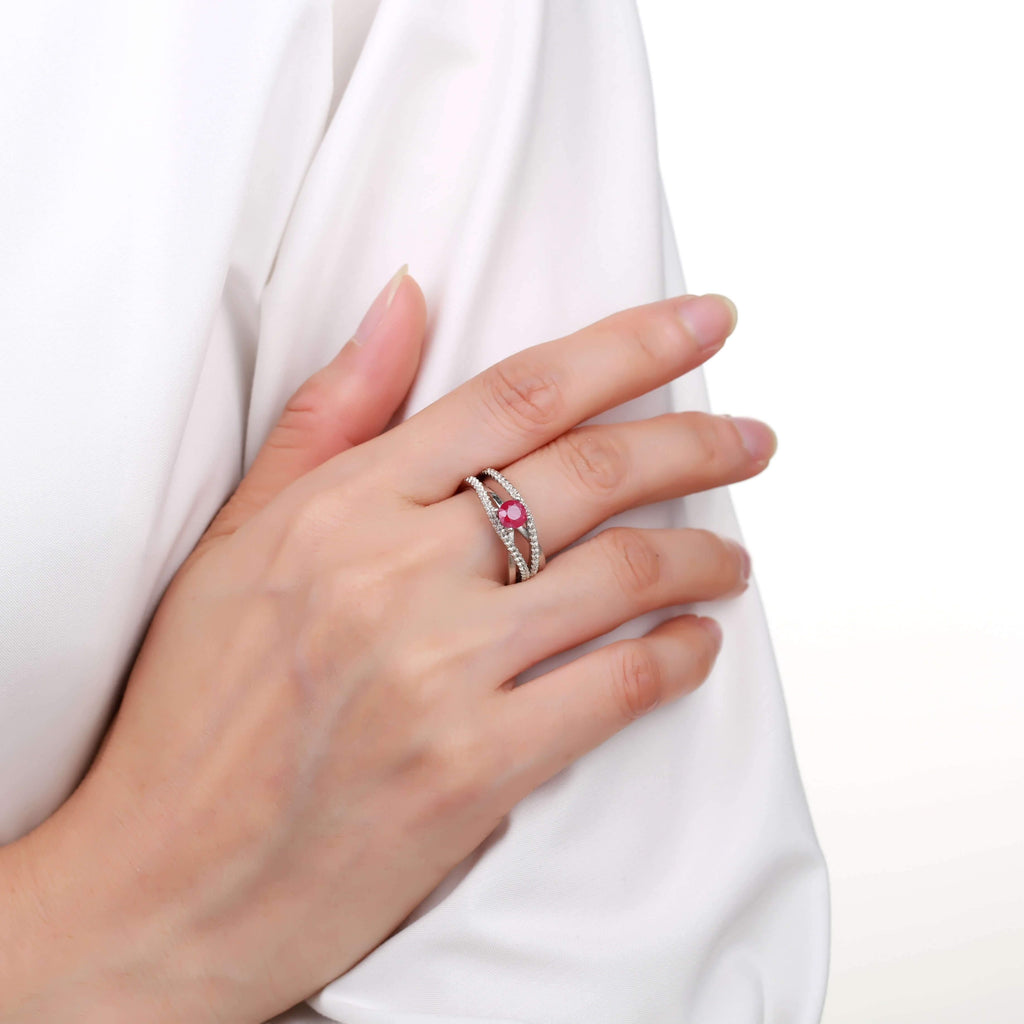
[508, 154]
[150, 157]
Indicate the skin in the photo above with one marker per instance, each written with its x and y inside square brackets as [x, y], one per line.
[268, 806]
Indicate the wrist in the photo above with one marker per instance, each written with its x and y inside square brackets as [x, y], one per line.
[79, 938]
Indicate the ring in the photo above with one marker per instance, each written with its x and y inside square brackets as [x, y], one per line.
[508, 518]
[512, 564]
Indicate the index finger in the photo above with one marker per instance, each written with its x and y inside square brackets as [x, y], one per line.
[533, 396]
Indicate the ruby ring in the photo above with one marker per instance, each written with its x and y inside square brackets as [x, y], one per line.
[508, 518]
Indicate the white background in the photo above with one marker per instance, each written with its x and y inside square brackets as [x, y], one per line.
[851, 176]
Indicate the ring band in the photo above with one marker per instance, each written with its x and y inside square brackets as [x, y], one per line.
[508, 518]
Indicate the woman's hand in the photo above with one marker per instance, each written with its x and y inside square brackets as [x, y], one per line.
[322, 720]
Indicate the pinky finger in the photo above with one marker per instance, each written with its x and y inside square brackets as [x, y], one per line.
[551, 721]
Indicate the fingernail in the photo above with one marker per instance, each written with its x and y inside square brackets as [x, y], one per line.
[375, 314]
[758, 438]
[713, 629]
[710, 319]
[744, 558]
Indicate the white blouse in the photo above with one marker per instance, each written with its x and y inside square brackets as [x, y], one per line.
[198, 201]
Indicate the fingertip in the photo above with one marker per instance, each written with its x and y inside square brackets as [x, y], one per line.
[410, 304]
[712, 628]
[370, 378]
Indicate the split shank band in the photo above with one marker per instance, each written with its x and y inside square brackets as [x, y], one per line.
[509, 517]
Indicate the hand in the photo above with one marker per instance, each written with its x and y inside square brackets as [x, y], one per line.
[321, 721]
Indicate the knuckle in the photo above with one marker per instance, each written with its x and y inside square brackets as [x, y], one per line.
[634, 559]
[658, 334]
[713, 439]
[636, 679]
[595, 461]
[520, 397]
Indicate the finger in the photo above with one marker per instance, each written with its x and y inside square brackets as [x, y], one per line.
[613, 577]
[547, 723]
[528, 398]
[343, 404]
[590, 473]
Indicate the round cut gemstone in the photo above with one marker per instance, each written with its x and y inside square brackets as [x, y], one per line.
[512, 514]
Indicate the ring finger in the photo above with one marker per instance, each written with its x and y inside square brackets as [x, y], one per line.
[593, 472]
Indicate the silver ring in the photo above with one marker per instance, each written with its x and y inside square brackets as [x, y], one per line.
[503, 516]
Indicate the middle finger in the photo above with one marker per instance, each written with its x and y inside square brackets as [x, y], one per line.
[533, 396]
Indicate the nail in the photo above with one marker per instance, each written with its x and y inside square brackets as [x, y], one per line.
[758, 438]
[710, 319]
[744, 558]
[713, 629]
[375, 314]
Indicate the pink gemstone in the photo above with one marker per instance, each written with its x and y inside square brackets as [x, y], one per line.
[512, 514]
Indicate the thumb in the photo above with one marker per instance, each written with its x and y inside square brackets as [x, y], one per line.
[343, 404]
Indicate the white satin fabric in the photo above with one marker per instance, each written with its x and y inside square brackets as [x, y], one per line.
[198, 201]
